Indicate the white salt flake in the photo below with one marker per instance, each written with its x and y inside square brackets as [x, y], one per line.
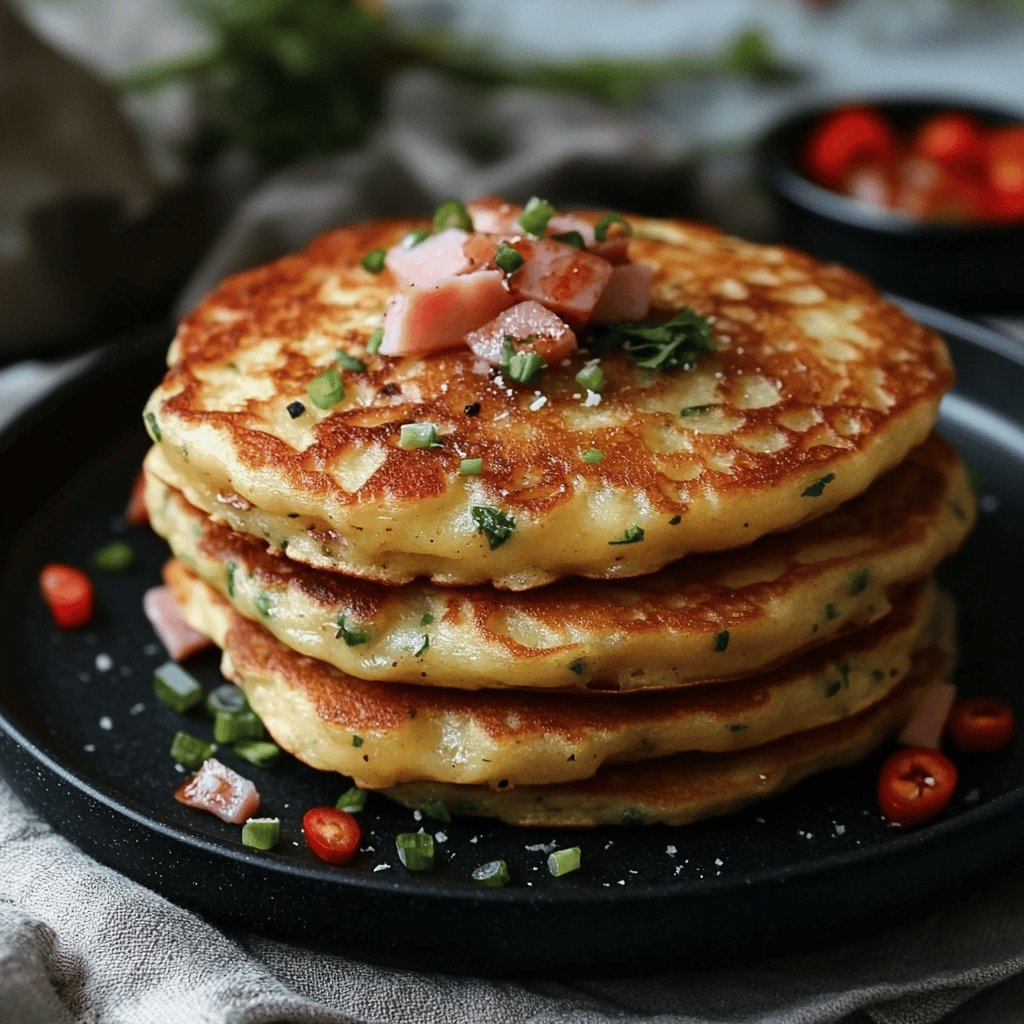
[90, 748]
[441, 837]
[840, 829]
[542, 847]
[593, 399]
[104, 662]
[106, 723]
[719, 862]
[538, 403]
[137, 709]
[382, 867]
[671, 850]
[417, 815]
[475, 840]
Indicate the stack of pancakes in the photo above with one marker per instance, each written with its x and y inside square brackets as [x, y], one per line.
[736, 593]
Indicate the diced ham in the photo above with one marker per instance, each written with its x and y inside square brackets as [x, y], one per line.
[480, 249]
[180, 639]
[549, 336]
[566, 280]
[614, 249]
[432, 260]
[627, 296]
[494, 216]
[928, 721]
[419, 320]
[221, 791]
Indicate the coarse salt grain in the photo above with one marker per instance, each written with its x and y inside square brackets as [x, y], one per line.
[104, 662]
[106, 723]
[593, 399]
[538, 403]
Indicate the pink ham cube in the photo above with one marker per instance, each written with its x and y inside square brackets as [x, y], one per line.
[565, 279]
[432, 260]
[627, 296]
[552, 338]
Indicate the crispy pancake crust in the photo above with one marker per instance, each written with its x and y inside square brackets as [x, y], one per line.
[501, 739]
[784, 593]
[817, 386]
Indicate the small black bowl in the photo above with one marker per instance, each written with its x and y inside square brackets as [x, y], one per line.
[977, 267]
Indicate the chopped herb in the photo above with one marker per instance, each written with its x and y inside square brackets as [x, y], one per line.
[261, 753]
[436, 810]
[535, 216]
[452, 214]
[426, 619]
[175, 688]
[352, 800]
[578, 665]
[521, 367]
[633, 535]
[493, 874]
[326, 390]
[508, 259]
[831, 612]
[415, 850]
[413, 238]
[592, 378]
[418, 435]
[350, 362]
[606, 222]
[423, 647]
[695, 410]
[116, 557]
[573, 238]
[561, 862]
[877, 675]
[357, 741]
[154, 427]
[473, 409]
[373, 261]
[631, 816]
[230, 578]
[374, 341]
[264, 603]
[721, 642]
[471, 467]
[230, 727]
[261, 833]
[658, 346]
[675, 520]
[496, 525]
[737, 727]
[352, 637]
[295, 409]
[592, 455]
[859, 583]
[190, 751]
[226, 699]
[817, 488]
[833, 688]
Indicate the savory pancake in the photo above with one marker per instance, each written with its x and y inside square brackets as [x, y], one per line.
[709, 617]
[382, 734]
[817, 386]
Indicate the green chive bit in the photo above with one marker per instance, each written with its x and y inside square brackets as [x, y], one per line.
[415, 850]
[418, 435]
[229, 578]
[573, 238]
[694, 410]
[264, 603]
[350, 363]
[413, 238]
[116, 557]
[154, 427]
[175, 688]
[877, 675]
[831, 612]
[326, 390]
[592, 455]
[357, 741]
[602, 226]
[352, 637]
[675, 520]
[496, 525]
[578, 665]
[426, 619]
[592, 378]
[243, 725]
[261, 753]
[261, 833]
[373, 261]
[721, 642]
[226, 699]
[738, 727]
[493, 874]
[436, 810]
[632, 535]
[452, 214]
[471, 467]
[423, 647]
[352, 800]
[190, 751]
[522, 367]
[816, 489]
[535, 216]
[562, 862]
[508, 259]
[374, 342]
[833, 688]
[859, 582]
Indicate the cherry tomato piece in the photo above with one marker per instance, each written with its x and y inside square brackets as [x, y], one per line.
[136, 514]
[980, 725]
[915, 785]
[332, 835]
[69, 594]
[844, 139]
[1006, 173]
[951, 138]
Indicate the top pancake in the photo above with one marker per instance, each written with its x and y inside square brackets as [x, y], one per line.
[817, 386]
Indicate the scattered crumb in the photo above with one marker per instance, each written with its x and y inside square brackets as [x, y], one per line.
[542, 847]
[719, 862]
[671, 851]
[381, 867]
[137, 709]
[759, 820]
[106, 723]
[538, 403]
[840, 829]
[417, 815]
[104, 662]
[179, 768]
[678, 871]
[90, 748]
[609, 844]
[621, 881]
[593, 399]
[475, 839]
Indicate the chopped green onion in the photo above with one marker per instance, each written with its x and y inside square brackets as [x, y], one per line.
[593, 455]
[416, 850]
[374, 342]
[452, 214]
[350, 362]
[493, 874]
[352, 800]
[496, 525]
[261, 753]
[818, 487]
[561, 862]
[190, 751]
[175, 688]
[261, 833]
[326, 390]
[578, 665]
[226, 699]
[592, 378]
[352, 637]
[632, 535]
[602, 226]
[859, 582]
[229, 578]
[437, 810]
[418, 435]
[535, 216]
[524, 367]
[423, 647]
[695, 410]
[508, 259]
[242, 725]
[264, 603]
[116, 557]
[154, 427]
[357, 741]
[721, 642]
[573, 238]
[413, 238]
[426, 619]
[373, 261]
[471, 467]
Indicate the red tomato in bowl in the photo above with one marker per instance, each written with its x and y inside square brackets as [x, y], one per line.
[845, 139]
[1005, 175]
[951, 138]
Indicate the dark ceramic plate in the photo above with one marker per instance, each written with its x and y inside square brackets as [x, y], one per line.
[85, 743]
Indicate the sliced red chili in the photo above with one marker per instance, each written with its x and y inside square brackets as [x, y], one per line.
[980, 725]
[915, 785]
[69, 594]
[332, 835]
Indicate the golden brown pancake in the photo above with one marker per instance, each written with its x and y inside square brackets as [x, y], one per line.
[817, 386]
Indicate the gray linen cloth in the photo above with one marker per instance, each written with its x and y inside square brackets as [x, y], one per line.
[80, 944]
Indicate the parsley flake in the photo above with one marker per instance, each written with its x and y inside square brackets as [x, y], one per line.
[352, 637]
[632, 535]
[816, 489]
[657, 346]
[496, 525]
[721, 642]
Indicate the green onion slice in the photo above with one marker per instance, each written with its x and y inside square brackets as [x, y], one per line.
[508, 259]
[116, 557]
[593, 455]
[175, 688]
[493, 874]
[154, 427]
[602, 226]
[350, 362]
[592, 378]
[352, 637]
[413, 238]
[418, 435]
[632, 535]
[190, 751]
[573, 238]
[373, 261]
[261, 753]
[561, 862]
[415, 850]
[535, 216]
[437, 810]
[452, 214]
[226, 699]
[471, 467]
[243, 725]
[326, 390]
[261, 833]
[352, 800]
[374, 342]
